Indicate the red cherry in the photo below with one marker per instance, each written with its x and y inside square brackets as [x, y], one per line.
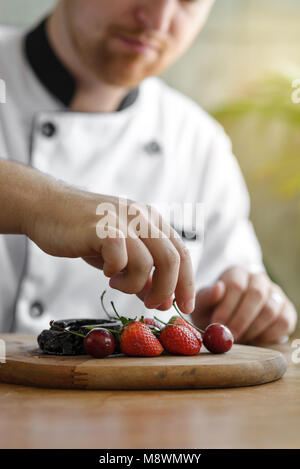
[152, 322]
[99, 343]
[217, 338]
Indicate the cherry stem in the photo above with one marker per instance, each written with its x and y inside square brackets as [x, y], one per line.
[180, 314]
[66, 330]
[92, 328]
[112, 331]
[119, 317]
[159, 320]
[105, 310]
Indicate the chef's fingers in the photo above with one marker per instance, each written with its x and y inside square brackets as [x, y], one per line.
[126, 259]
[147, 287]
[185, 287]
[166, 305]
[97, 262]
[154, 248]
[94, 261]
[268, 314]
[251, 304]
[236, 281]
[140, 263]
[110, 243]
[143, 293]
[166, 267]
[206, 299]
[209, 296]
[114, 252]
[284, 325]
[110, 250]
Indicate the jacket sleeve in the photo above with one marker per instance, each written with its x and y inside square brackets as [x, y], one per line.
[229, 236]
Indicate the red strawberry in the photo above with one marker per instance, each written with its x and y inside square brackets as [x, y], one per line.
[179, 340]
[138, 340]
[179, 321]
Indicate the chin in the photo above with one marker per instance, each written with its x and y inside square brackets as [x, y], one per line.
[123, 80]
[128, 73]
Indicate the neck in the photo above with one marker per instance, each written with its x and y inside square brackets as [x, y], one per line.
[92, 94]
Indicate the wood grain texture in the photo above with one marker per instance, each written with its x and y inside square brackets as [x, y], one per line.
[242, 366]
[264, 416]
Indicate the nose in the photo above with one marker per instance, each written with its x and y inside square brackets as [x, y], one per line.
[156, 14]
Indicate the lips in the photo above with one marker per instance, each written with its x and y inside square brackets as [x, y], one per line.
[137, 44]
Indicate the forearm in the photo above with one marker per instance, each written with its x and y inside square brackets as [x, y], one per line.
[62, 221]
[23, 191]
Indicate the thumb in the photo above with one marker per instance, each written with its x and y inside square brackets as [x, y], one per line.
[210, 296]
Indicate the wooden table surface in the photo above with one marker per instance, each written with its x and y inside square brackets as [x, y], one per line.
[266, 416]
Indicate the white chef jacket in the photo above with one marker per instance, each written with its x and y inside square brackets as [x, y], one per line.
[163, 148]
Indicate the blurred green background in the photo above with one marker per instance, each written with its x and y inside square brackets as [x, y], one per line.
[241, 70]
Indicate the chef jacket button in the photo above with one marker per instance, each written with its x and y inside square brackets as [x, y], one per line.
[48, 129]
[36, 309]
[153, 148]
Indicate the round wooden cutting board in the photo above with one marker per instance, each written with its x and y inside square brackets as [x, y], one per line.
[242, 366]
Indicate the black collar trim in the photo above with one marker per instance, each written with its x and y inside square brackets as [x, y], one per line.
[52, 73]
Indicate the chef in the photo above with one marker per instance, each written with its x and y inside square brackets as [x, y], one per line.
[87, 125]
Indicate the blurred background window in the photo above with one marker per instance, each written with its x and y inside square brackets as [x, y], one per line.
[241, 69]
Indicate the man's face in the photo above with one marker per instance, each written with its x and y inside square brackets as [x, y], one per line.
[124, 41]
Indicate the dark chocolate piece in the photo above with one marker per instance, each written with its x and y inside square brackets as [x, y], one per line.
[55, 342]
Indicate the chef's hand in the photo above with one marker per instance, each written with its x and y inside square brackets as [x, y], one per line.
[66, 225]
[253, 307]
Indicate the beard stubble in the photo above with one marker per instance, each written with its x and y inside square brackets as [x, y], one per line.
[120, 68]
